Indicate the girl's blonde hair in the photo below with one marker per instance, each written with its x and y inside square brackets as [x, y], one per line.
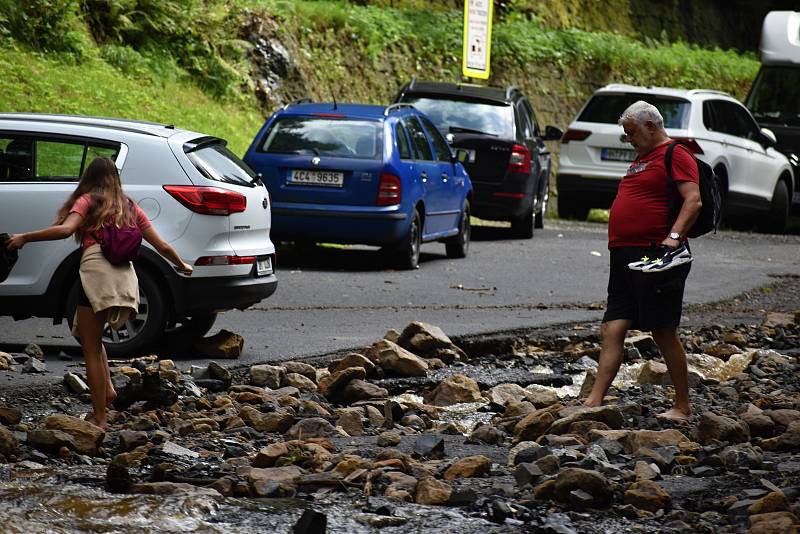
[108, 204]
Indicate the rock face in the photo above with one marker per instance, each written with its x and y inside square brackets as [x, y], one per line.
[86, 436]
[454, 390]
[647, 495]
[395, 360]
[223, 344]
[471, 466]
[592, 482]
[8, 443]
[432, 491]
[715, 427]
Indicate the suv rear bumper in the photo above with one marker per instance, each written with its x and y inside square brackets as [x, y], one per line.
[202, 295]
[591, 192]
[504, 201]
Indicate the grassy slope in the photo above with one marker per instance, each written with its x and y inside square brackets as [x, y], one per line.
[31, 82]
[364, 53]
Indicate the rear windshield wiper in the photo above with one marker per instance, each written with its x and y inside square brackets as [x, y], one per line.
[461, 129]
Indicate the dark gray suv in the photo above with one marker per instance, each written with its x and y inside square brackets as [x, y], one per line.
[501, 143]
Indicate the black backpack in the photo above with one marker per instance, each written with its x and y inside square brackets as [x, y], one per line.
[710, 196]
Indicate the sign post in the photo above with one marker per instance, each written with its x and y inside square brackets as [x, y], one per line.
[477, 38]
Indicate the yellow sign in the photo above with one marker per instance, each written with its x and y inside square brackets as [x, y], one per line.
[477, 38]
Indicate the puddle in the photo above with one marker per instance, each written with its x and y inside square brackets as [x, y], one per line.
[465, 416]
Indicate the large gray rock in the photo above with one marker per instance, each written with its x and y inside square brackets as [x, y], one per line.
[314, 427]
[422, 337]
[455, 389]
[270, 376]
[395, 360]
[713, 427]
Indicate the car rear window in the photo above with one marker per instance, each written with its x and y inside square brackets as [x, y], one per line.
[608, 108]
[325, 136]
[484, 117]
[216, 162]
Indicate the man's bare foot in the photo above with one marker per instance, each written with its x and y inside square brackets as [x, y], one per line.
[675, 415]
[591, 404]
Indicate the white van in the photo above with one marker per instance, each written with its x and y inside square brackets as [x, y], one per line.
[774, 98]
[201, 198]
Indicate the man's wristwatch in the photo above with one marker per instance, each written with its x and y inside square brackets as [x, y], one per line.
[675, 235]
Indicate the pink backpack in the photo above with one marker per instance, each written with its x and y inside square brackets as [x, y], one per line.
[120, 245]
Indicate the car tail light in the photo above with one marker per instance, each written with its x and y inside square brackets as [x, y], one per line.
[507, 194]
[690, 143]
[389, 190]
[208, 200]
[574, 135]
[520, 160]
[205, 261]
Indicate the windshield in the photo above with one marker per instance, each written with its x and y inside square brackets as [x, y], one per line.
[606, 108]
[481, 117]
[775, 96]
[324, 136]
[216, 162]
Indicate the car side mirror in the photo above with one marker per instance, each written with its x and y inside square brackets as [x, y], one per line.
[768, 138]
[450, 138]
[551, 133]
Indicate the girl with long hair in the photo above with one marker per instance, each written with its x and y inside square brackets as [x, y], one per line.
[107, 293]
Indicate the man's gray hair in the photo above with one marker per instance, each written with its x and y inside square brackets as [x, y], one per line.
[640, 112]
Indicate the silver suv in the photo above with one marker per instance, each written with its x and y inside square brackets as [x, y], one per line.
[201, 198]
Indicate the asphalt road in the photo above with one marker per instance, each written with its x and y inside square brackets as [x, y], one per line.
[330, 299]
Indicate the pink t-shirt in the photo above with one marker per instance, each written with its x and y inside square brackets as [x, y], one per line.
[81, 207]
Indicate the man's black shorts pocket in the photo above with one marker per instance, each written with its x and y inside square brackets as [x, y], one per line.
[668, 287]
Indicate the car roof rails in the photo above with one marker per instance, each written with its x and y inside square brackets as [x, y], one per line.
[708, 91]
[510, 91]
[396, 107]
[412, 82]
[304, 100]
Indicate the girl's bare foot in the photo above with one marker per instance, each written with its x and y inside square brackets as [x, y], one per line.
[111, 396]
[674, 415]
[92, 418]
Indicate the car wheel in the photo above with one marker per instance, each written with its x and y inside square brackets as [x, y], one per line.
[541, 210]
[140, 331]
[778, 210]
[408, 252]
[523, 227]
[458, 245]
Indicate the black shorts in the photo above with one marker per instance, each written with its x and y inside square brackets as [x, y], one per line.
[649, 300]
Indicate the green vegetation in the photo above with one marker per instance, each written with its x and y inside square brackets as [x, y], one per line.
[186, 62]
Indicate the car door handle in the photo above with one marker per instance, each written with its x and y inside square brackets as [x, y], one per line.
[445, 176]
[424, 176]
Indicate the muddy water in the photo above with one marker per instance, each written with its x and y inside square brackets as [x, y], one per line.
[42, 505]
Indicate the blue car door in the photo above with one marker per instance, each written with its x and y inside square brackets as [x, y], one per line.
[452, 185]
[427, 170]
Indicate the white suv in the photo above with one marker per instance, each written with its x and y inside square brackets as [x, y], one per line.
[200, 197]
[757, 179]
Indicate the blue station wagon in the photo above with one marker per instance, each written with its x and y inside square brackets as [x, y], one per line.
[353, 173]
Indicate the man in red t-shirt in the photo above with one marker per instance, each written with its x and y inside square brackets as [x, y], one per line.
[650, 257]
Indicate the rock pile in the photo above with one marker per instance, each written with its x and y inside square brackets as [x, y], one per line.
[535, 459]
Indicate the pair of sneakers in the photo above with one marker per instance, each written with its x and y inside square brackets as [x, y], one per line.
[665, 259]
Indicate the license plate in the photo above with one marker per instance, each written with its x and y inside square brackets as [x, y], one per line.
[617, 154]
[264, 266]
[323, 178]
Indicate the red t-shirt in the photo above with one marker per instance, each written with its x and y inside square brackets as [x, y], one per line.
[81, 207]
[640, 213]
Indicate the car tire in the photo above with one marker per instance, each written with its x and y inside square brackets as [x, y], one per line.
[148, 325]
[541, 209]
[458, 245]
[522, 228]
[775, 222]
[407, 254]
[568, 208]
